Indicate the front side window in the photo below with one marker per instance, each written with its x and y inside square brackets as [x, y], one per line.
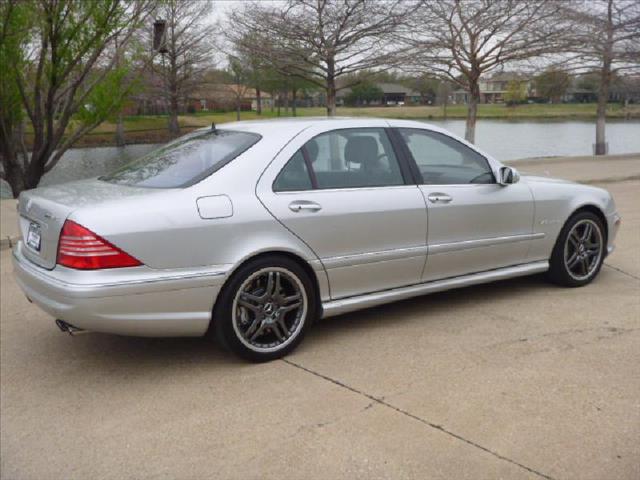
[184, 161]
[348, 158]
[443, 160]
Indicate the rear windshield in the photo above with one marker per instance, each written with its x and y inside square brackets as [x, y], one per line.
[185, 161]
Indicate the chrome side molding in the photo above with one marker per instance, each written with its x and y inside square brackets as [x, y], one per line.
[350, 304]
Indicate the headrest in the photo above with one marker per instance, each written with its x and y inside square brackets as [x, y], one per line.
[360, 150]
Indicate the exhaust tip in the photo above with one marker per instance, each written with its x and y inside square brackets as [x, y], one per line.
[67, 327]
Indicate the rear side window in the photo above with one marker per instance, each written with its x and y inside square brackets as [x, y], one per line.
[295, 176]
[348, 158]
[185, 161]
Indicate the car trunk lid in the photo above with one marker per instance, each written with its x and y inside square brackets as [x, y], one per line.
[43, 211]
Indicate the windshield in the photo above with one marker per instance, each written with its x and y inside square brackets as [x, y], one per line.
[185, 161]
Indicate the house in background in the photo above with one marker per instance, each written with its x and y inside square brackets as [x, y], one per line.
[392, 94]
[493, 90]
[221, 96]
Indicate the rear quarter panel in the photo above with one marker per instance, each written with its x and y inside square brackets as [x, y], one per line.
[166, 230]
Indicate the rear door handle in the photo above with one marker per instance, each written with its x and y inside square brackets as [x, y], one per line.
[300, 205]
[439, 198]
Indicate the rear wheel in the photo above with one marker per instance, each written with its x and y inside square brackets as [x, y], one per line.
[265, 309]
[579, 251]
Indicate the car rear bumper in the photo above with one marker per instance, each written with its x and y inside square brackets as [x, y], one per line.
[128, 301]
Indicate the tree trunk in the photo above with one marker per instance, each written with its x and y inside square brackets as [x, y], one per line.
[278, 100]
[13, 171]
[444, 104]
[120, 131]
[286, 102]
[258, 101]
[293, 101]
[174, 127]
[603, 90]
[472, 111]
[331, 89]
[273, 100]
[238, 108]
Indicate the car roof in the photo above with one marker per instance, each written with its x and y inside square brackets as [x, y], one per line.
[290, 125]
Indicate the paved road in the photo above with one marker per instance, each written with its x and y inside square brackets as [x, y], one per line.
[518, 379]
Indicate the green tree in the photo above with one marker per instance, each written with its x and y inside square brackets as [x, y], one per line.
[364, 92]
[516, 92]
[427, 86]
[58, 68]
[552, 84]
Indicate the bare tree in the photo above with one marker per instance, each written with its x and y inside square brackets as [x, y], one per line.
[462, 40]
[241, 75]
[606, 40]
[189, 46]
[57, 69]
[324, 40]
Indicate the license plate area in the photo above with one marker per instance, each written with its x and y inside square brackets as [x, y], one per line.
[34, 236]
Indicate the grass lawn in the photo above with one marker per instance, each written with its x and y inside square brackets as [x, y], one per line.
[153, 128]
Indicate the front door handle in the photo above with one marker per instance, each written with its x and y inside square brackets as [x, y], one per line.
[439, 198]
[300, 205]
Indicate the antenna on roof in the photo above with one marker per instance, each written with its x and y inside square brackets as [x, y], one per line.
[213, 127]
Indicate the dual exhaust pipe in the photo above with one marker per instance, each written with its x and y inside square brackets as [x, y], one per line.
[68, 328]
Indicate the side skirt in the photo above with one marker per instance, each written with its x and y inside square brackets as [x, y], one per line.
[350, 304]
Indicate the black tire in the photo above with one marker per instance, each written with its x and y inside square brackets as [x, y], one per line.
[229, 327]
[559, 271]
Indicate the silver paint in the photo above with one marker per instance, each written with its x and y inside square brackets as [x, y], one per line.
[365, 246]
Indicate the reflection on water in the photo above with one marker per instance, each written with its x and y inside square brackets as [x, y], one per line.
[505, 140]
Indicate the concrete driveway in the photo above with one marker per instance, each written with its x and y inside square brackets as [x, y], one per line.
[518, 379]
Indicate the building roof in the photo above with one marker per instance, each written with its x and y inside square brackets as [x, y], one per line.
[507, 77]
[224, 90]
[387, 88]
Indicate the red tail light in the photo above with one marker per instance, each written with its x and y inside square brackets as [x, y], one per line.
[82, 249]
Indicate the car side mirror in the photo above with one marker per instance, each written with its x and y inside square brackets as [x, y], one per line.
[508, 176]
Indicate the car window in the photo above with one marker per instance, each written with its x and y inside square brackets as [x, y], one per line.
[184, 161]
[347, 158]
[443, 160]
[294, 176]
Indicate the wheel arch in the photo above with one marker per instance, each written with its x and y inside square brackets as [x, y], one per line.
[597, 211]
[304, 264]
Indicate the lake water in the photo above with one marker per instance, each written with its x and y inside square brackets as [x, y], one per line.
[504, 140]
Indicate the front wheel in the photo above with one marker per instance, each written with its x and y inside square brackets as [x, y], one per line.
[265, 309]
[579, 251]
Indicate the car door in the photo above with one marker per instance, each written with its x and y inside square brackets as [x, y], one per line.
[474, 223]
[346, 194]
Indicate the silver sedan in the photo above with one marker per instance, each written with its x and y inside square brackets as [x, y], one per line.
[253, 230]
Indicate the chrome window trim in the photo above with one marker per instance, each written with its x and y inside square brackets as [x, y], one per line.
[345, 189]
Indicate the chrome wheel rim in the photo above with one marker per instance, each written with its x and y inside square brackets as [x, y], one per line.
[269, 309]
[583, 249]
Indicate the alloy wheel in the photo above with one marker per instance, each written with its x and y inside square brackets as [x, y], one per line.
[583, 249]
[269, 309]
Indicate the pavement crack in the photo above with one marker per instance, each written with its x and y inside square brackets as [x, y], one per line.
[435, 426]
[622, 271]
